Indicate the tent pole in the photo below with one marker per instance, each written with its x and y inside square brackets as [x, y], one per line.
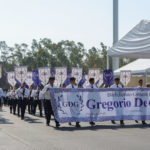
[146, 76]
[115, 32]
[107, 61]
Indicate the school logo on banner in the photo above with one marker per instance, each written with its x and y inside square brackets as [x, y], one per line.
[94, 73]
[60, 75]
[77, 73]
[108, 77]
[44, 74]
[125, 77]
[11, 78]
[21, 73]
[29, 80]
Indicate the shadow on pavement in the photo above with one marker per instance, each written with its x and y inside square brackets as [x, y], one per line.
[4, 120]
[103, 127]
[32, 120]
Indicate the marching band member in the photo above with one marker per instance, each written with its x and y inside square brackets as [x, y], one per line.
[14, 99]
[5, 98]
[8, 95]
[1, 98]
[30, 101]
[36, 101]
[140, 82]
[92, 86]
[47, 101]
[23, 94]
[73, 85]
[117, 85]
[41, 99]
[148, 85]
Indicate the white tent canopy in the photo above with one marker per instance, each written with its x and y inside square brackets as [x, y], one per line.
[135, 44]
[139, 66]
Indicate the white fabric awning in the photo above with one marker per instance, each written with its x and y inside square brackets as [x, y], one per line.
[138, 66]
[135, 44]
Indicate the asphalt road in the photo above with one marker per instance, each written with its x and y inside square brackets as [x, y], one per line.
[33, 134]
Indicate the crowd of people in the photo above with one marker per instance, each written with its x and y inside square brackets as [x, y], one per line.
[21, 100]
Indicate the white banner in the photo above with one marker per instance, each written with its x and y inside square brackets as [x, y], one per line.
[60, 75]
[77, 73]
[21, 73]
[100, 80]
[44, 74]
[11, 78]
[94, 73]
[86, 83]
[125, 77]
[88, 105]
[29, 80]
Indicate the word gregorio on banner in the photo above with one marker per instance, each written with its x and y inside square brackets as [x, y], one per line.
[109, 105]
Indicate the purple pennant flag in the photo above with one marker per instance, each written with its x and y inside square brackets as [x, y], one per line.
[67, 81]
[35, 78]
[17, 82]
[97, 83]
[53, 73]
[82, 81]
[108, 77]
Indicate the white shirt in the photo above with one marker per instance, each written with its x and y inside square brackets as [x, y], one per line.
[30, 92]
[116, 86]
[13, 94]
[70, 86]
[1, 92]
[46, 93]
[8, 94]
[19, 92]
[4, 94]
[139, 86]
[90, 86]
[33, 94]
[41, 96]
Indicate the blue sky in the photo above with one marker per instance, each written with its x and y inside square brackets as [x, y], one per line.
[86, 21]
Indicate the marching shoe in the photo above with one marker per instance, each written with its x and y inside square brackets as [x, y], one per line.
[122, 123]
[57, 125]
[113, 122]
[144, 123]
[92, 123]
[78, 125]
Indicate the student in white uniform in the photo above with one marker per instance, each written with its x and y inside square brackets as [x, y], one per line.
[41, 99]
[14, 99]
[1, 98]
[23, 94]
[9, 97]
[47, 102]
[30, 101]
[117, 85]
[36, 102]
[92, 86]
[5, 97]
[140, 85]
[73, 85]
[148, 85]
